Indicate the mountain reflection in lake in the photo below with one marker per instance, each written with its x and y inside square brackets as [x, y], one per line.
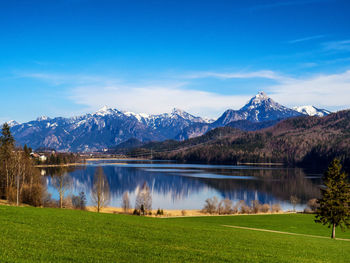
[187, 186]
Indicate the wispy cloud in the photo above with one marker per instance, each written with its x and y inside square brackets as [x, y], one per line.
[153, 97]
[282, 3]
[342, 45]
[294, 41]
[156, 99]
[325, 90]
[265, 74]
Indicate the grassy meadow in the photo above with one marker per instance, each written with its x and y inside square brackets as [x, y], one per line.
[30, 234]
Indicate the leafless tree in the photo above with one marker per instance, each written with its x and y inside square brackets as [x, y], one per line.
[312, 204]
[100, 191]
[265, 208]
[294, 201]
[62, 182]
[227, 204]
[144, 199]
[256, 206]
[211, 205]
[126, 202]
[275, 208]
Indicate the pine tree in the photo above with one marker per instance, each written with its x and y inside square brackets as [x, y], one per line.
[7, 145]
[334, 205]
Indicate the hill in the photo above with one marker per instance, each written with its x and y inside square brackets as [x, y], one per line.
[54, 235]
[304, 140]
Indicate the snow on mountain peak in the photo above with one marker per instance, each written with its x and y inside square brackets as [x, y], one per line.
[12, 123]
[105, 111]
[43, 118]
[311, 111]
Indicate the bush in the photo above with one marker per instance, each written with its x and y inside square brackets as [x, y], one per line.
[245, 209]
[160, 212]
[48, 201]
[265, 208]
[211, 205]
[79, 202]
[183, 212]
[255, 206]
[136, 212]
[312, 204]
[276, 208]
[32, 195]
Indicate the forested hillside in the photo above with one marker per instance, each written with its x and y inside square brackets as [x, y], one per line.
[302, 140]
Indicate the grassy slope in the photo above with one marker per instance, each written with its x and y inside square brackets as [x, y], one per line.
[34, 234]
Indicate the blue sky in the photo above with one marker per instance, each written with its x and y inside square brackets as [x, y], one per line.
[69, 57]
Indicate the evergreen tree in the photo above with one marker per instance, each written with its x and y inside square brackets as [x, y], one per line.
[7, 145]
[26, 150]
[6, 138]
[334, 205]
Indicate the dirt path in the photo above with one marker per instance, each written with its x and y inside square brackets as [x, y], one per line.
[281, 232]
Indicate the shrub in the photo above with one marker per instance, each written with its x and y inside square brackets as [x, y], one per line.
[312, 204]
[265, 208]
[160, 212]
[276, 208]
[33, 195]
[211, 205]
[245, 209]
[48, 201]
[136, 212]
[255, 206]
[79, 202]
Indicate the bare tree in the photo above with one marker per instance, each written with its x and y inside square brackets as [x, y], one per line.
[144, 199]
[294, 201]
[275, 208]
[100, 191]
[62, 182]
[227, 206]
[126, 202]
[211, 205]
[312, 204]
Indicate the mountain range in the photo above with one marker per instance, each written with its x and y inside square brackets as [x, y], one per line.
[108, 128]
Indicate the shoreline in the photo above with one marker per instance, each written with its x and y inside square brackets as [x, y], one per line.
[174, 213]
[58, 165]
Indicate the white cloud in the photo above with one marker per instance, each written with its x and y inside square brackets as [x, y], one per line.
[342, 45]
[266, 74]
[157, 99]
[331, 91]
[294, 41]
[328, 91]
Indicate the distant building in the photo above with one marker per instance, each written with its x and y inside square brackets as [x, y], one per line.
[42, 158]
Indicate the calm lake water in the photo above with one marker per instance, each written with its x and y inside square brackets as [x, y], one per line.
[187, 186]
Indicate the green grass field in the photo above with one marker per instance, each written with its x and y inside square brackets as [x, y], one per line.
[53, 235]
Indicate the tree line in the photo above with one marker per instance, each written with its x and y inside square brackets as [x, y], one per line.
[20, 182]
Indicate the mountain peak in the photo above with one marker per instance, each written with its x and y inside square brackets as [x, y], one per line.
[178, 111]
[12, 123]
[261, 94]
[104, 111]
[311, 111]
[259, 99]
[43, 118]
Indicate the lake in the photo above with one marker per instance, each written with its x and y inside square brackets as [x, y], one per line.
[187, 186]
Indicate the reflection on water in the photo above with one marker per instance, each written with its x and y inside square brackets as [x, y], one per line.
[186, 186]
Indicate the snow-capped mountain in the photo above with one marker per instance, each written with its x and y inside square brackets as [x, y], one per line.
[259, 108]
[109, 127]
[105, 128]
[312, 111]
[12, 123]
